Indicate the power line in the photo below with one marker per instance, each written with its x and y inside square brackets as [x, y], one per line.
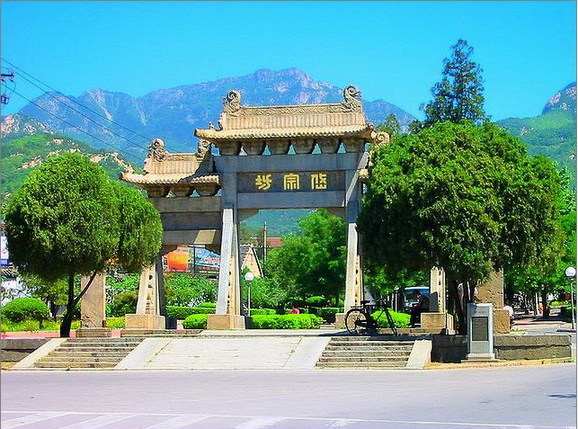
[87, 117]
[74, 126]
[75, 102]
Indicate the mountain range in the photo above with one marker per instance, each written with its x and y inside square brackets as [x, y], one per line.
[173, 114]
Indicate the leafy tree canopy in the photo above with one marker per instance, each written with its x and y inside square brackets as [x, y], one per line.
[467, 198]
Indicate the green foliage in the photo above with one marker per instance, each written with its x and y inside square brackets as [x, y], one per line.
[34, 326]
[312, 263]
[262, 311]
[459, 95]
[463, 197]
[400, 320]
[552, 134]
[185, 290]
[326, 313]
[267, 292]
[48, 291]
[115, 322]
[286, 321]
[21, 309]
[21, 156]
[182, 313]
[124, 303]
[316, 301]
[141, 229]
[195, 321]
[63, 220]
[207, 305]
[391, 125]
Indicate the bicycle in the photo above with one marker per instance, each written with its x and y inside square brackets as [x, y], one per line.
[359, 321]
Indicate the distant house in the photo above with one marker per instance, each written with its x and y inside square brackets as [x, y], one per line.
[274, 242]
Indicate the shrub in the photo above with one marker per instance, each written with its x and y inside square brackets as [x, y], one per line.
[21, 309]
[286, 321]
[262, 311]
[115, 322]
[195, 321]
[207, 305]
[182, 313]
[326, 313]
[400, 320]
[124, 303]
[316, 301]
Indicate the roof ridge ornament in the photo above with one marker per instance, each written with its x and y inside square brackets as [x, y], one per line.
[157, 150]
[352, 98]
[232, 102]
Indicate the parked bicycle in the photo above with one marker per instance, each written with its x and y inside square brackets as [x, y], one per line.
[359, 321]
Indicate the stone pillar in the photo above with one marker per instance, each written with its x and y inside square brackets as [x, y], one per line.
[492, 292]
[147, 309]
[437, 287]
[437, 320]
[228, 312]
[93, 308]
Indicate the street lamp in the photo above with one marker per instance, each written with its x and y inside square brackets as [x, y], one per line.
[249, 277]
[571, 274]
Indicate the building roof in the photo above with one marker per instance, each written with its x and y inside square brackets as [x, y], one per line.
[168, 179]
[294, 121]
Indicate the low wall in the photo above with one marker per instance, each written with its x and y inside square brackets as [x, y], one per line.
[16, 349]
[454, 348]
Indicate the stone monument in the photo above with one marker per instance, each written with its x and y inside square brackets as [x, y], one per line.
[93, 308]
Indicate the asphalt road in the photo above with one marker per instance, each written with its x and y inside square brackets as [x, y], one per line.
[511, 397]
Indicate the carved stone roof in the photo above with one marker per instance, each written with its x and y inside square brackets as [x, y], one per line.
[165, 168]
[304, 120]
[168, 179]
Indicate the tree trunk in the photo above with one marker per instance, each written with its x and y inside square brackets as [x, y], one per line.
[544, 297]
[71, 304]
[67, 319]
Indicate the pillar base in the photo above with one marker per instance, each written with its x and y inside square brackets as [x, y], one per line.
[93, 332]
[437, 323]
[144, 321]
[501, 322]
[225, 321]
[339, 320]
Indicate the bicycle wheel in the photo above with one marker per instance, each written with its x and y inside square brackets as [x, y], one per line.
[356, 321]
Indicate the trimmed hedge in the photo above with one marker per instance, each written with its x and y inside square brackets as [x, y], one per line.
[326, 313]
[182, 313]
[400, 320]
[316, 301]
[21, 309]
[115, 322]
[207, 305]
[262, 311]
[195, 321]
[286, 321]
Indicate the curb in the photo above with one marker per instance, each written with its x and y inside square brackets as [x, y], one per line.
[503, 363]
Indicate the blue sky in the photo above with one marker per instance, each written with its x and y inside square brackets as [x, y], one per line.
[390, 50]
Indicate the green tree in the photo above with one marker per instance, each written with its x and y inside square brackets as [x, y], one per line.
[54, 293]
[68, 219]
[312, 263]
[391, 125]
[463, 197]
[459, 95]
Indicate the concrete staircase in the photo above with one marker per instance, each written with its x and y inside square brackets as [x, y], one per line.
[88, 353]
[366, 352]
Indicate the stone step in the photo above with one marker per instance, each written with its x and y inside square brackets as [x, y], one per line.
[127, 342]
[368, 343]
[74, 365]
[364, 359]
[363, 349]
[97, 353]
[80, 359]
[71, 350]
[361, 365]
[377, 353]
